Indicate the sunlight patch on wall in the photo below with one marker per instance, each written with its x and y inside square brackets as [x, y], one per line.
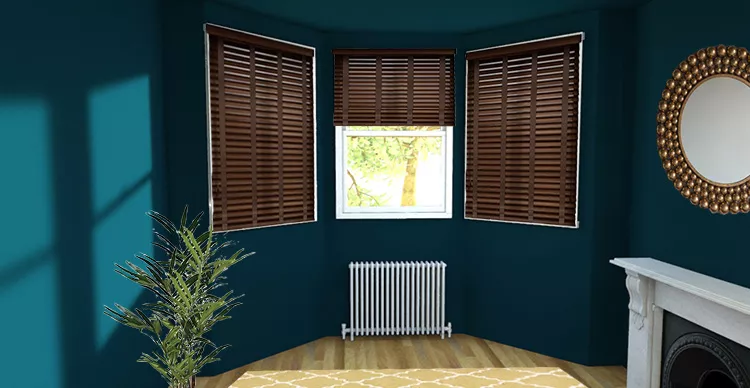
[120, 125]
[25, 158]
[120, 132]
[27, 261]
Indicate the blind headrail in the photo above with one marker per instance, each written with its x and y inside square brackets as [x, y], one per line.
[257, 41]
[405, 52]
[526, 47]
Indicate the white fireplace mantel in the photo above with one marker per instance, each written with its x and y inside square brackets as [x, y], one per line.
[655, 286]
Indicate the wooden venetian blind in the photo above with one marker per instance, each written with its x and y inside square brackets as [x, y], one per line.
[522, 132]
[262, 136]
[394, 87]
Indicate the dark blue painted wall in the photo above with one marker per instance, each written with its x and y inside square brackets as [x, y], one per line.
[426, 16]
[286, 301]
[296, 284]
[80, 112]
[489, 263]
[106, 107]
[664, 225]
[538, 287]
[615, 91]
[396, 240]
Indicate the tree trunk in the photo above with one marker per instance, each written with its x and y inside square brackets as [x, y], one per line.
[191, 384]
[409, 190]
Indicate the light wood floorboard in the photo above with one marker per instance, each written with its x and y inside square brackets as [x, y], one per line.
[460, 351]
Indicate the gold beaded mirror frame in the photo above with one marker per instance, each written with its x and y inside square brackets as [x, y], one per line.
[705, 64]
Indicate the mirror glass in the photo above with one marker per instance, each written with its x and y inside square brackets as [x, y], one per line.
[715, 129]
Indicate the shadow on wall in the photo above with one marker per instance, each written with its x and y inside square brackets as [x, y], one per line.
[82, 166]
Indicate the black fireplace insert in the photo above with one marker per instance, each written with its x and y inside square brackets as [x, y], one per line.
[694, 357]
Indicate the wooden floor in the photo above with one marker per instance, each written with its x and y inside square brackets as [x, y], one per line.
[460, 351]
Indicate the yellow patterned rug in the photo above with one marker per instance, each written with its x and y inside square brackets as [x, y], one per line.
[410, 378]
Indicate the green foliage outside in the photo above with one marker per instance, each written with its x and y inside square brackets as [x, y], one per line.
[380, 158]
[186, 305]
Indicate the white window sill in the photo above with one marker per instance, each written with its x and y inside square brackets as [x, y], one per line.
[392, 216]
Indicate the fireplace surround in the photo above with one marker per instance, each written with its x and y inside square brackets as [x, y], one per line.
[685, 329]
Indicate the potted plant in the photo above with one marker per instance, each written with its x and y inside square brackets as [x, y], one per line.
[186, 303]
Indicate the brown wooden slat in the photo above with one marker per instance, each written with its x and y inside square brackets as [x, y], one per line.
[280, 138]
[476, 136]
[305, 145]
[222, 129]
[368, 53]
[253, 137]
[378, 87]
[503, 137]
[532, 135]
[564, 134]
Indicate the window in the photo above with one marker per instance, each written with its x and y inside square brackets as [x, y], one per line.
[395, 171]
[522, 124]
[262, 137]
[394, 115]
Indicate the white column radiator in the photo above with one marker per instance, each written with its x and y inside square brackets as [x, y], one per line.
[396, 299]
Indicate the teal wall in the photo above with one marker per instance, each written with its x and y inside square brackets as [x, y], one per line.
[545, 289]
[296, 284]
[397, 240]
[444, 16]
[664, 225]
[539, 287]
[286, 302]
[106, 110]
[613, 150]
[80, 111]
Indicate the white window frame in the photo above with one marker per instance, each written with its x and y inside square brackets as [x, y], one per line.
[343, 211]
[578, 146]
[207, 74]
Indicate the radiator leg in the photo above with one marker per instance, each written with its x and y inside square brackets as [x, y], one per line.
[343, 331]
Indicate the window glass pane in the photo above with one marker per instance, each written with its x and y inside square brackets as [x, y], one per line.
[394, 171]
[393, 128]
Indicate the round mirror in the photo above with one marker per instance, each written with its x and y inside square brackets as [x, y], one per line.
[703, 129]
[715, 129]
